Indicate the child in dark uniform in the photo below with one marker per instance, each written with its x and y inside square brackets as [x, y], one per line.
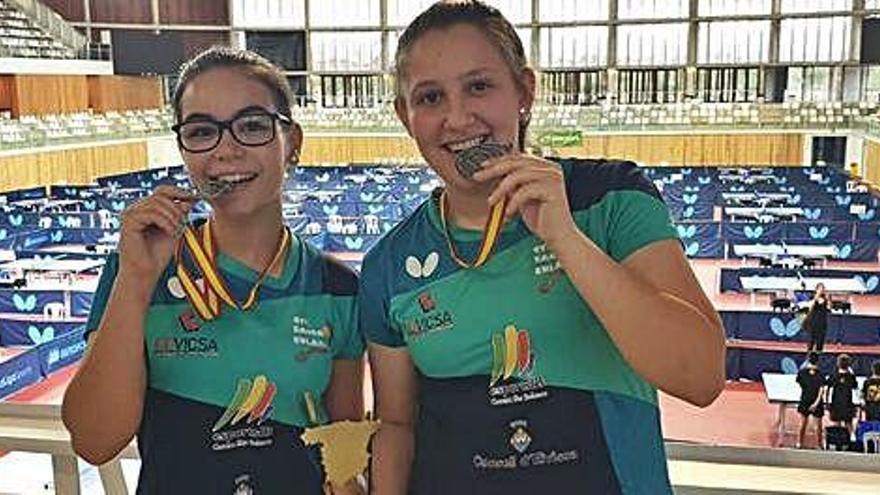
[871, 394]
[811, 382]
[841, 384]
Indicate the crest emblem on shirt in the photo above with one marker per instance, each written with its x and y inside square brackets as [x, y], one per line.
[243, 423]
[417, 268]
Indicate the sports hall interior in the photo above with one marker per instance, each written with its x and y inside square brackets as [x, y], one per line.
[756, 120]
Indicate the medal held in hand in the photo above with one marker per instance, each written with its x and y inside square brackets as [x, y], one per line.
[471, 160]
[468, 162]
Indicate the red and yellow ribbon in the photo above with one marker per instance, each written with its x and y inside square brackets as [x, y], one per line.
[490, 233]
[207, 302]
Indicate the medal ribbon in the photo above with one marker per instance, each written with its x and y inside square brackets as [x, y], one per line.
[490, 233]
[207, 303]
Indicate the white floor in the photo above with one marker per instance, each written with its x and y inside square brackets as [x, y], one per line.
[31, 474]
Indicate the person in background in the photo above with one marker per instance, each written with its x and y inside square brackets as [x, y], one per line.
[816, 321]
[871, 393]
[522, 318]
[216, 343]
[810, 405]
[840, 385]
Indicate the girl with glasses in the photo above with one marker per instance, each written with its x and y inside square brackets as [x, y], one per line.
[216, 343]
[521, 320]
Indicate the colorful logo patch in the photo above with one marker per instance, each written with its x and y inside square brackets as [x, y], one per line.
[512, 379]
[244, 418]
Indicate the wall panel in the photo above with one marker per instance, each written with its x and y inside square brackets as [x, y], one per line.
[70, 10]
[872, 162]
[127, 11]
[39, 95]
[7, 86]
[74, 165]
[124, 93]
[194, 12]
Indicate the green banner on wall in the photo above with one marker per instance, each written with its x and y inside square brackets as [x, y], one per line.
[561, 139]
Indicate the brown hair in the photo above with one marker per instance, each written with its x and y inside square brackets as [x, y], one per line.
[487, 19]
[252, 64]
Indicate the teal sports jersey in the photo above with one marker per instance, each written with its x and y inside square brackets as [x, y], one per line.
[225, 402]
[521, 388]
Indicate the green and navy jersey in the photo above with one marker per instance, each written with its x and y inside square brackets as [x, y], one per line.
[225, 401]
[521, 387]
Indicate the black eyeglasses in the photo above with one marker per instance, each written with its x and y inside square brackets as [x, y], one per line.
[253, 128]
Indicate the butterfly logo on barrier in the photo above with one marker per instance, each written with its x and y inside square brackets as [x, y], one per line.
[3, 234]
[686, 231]
[418, 269]
[688, 212]
[843, 200]
[16, 220]
[843, 252]
[871, 282]
[145, 184]
[57, 236]
[90, 205]
[325, 177]
[692, 249]
[38, 336]
[788, 366]
[687, 171]
[753, 232]
[331, 209]
[812, 214]
[354, 243]
[867, 215]
[117, 205]
[819, 232]
[704, 180]
[376, 209]
[23, 304]
[781, 329]
[367, 197]
[690, 199]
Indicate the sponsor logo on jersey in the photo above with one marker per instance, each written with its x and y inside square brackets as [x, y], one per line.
[519, 439]
[548, 271]
[427, 302]
[310, 339]
[185, 346]
[513, 379]
[417, 268]
[243, 423]
[431, 322]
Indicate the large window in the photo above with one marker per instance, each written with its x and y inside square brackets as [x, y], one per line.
[650, 9]
[338, 13]
[652, 44]
[814, 39]
[813, 84]
[347, 51]
[574, 47]
[279, 14]
[729, 84]
[573, 11]
[807, 6]
[402, 12]
[525, 37]
[733, 42]
[350, 91]
[573, 87]
[649, 85]
[516, 11]
[734, 7]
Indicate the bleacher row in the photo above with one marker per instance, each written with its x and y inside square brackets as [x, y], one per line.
[35, 131]
[21, 38]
